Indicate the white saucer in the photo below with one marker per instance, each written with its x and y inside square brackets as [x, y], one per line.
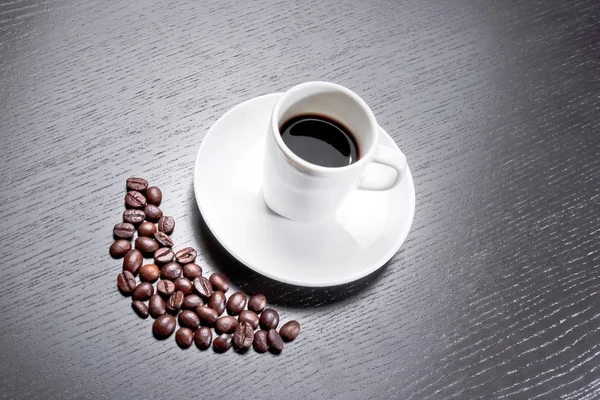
[365, 233]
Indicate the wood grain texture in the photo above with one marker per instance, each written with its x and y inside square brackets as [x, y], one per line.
[496, 103]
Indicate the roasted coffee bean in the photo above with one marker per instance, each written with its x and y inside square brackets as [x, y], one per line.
[249, 317]
[157, 306]
[184, 285]
[175, 301]
[290, 330]
[236, 303]
[133, 261]
[226, 324]
[140, 308]
[186, 255]
[192, 302]
[134, 217]
[269, 319]
[203, 338]
[222, 343]
[119, 248]
[163, 326]
[163, 256]
[149, 273]
[146, 229]
[124, 230]
[135, 199]
[189, 319]
[166, 288]
[153, 195]
[257, 303]
[184, 337]
[143, 291]
[260, 342]
[217, 301]
[207, 315]
[203, 287]
[219, 282]
[152, 212]
[275, 342]
[126, 282]
[146, 245]
[138, 184]
[243, 336]
[171, 271]
[163, 239]
[192, 271]
[166, 224]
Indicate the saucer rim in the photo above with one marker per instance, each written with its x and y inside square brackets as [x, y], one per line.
[328, 283]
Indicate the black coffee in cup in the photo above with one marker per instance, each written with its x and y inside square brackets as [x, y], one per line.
[320, 140]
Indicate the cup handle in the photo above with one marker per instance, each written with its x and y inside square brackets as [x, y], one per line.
[389, 157]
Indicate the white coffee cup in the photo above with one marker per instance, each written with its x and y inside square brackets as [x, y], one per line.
[302, 191]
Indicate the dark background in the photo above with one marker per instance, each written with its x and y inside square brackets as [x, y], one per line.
[496, 104]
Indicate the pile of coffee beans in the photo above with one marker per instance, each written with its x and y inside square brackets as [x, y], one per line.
[172, 290]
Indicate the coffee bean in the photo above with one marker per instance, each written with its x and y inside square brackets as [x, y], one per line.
[175, 301]
[133, 261]
[163, 239]
[157, 306]
[290, 330]
[165, 288]
[217, 301]
[149, 273]
[140, 308]
[257, 303]
[269, 319]
[163, 256]
[146, 229]
[189, 319]
[219, 282]
[222, 343]
[192, 271]
[203, 338]
[138, 184]
[171, 271]
[126, 282]
[152, 212]
[260, 342]
[249, 317]
[203, 287]
[163, 326]
[146, 245]
[166, 224]
[124, 230]
[134, 217]
[143, 291]
[135, 199]
[191, 302]
[243, 336]
[236, 303]
[119, 248]
[153, 195]
[207, 315]
[226, 324]
[186, 255]
[275, 342]
[184, 337]
[184, 285]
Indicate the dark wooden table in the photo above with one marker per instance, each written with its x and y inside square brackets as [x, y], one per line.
[495, 294]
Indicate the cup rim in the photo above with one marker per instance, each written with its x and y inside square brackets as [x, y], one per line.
[300, 162]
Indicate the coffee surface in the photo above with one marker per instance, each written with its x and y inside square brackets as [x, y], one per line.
[320, 140]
